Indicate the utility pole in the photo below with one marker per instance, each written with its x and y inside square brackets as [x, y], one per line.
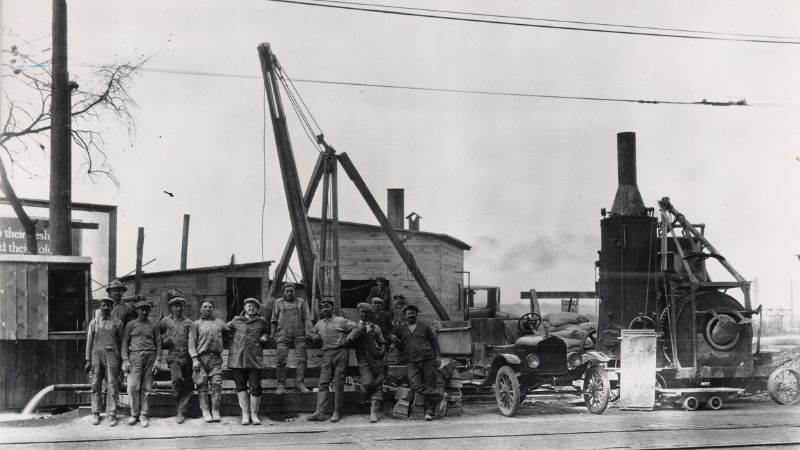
[185, 241]
[60, 138]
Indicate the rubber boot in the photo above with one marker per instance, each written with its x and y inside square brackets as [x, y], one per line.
[281, 379]
[215, 399]
[244, 404]
[338, 400]
[254, 402]
[300, 376]
[374, 410]
[202, 397]
[322, 403]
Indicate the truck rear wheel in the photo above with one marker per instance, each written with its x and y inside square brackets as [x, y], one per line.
[507, 391]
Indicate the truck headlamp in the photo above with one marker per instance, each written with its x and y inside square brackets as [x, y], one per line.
[532, 361]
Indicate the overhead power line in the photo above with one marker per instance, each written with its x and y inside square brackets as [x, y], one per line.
[703, 102]
[539, 19]
[534, 25]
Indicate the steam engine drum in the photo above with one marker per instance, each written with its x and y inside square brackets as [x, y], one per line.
[721, 341]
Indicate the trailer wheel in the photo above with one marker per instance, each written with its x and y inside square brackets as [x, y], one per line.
[714, 402]
[507, 391]
[784, 386]
[597, 389]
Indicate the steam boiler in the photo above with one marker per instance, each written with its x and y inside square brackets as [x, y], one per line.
[651, 273]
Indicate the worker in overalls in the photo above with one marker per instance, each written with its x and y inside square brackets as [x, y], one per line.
[335, 334]
[174, 330]
[141, 349]
[205, 348]
[370, 348]
[291, 321]
[246, 358]
[103, 341]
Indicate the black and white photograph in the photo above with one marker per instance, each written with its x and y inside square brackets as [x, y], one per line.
[404, 224]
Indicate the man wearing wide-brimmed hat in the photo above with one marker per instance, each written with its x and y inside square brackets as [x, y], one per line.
[174, 330]
[421, 348]
[291, 322]
[246, 358]
[103, 341]
[141, 348]
[121, 310]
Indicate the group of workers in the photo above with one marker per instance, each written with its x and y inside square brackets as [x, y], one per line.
[121, 339]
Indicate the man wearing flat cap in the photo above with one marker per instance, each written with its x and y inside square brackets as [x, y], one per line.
[370, 349]
[380, 290]
[246, 358]
[335, 334]
[421, 348]
[381, 317]
[174, 330]
[291, 322]
[121, 310]
[103, 342]
[141, 349]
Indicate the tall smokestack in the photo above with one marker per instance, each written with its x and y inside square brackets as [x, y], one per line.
[628, 201]
[395, 206]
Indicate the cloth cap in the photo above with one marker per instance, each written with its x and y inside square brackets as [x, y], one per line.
[376, 300]
[116, 284]
[380, 278]
[143, 304]
[104, 299]
[176, 300]
[407, 307]
[325, 301]
[364, 306]
[252, 300]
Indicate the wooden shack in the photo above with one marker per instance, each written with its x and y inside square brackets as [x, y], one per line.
[227, 286]
[365, 252]
[44, 309]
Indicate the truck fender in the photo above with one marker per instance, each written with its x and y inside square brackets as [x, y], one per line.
[595, 357]
[497, 362]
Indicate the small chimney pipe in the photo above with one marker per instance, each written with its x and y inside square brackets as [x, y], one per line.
[395, 206]
[628, 200]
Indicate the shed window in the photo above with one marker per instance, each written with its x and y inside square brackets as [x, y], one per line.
[66, 299]
[355, 291]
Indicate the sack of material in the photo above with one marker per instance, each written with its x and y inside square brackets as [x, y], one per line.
[561, 318]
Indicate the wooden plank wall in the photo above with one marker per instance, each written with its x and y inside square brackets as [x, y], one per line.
[23, 301]
[366, 252]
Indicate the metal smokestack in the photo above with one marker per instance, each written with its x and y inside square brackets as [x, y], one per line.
[628, 201]
[395, 205]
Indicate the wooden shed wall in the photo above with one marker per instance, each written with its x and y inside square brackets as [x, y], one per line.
[198, 286]
[366, 252]
[23, 301]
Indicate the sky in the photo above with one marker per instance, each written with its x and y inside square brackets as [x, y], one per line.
[521, 179]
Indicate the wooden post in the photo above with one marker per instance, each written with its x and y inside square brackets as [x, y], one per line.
[291, 181]
[323, 227]
[286, 256]
[60, 138]
[185, 241]
[407, 257]
[337, 281]
[139, 250]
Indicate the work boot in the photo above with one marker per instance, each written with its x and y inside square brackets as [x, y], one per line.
[338, 399]
[180, 418]
[215, 398]
[322, 402]
[300, 376]
[132, 420]
[254, 402]
[143, 421]
[428, 417]
[95, 418]
[202, 396]
[244, 404]
[281, 379]
[183, 402]
[374, 410]
[112, 421]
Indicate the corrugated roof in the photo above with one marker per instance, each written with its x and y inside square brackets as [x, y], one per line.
[403, 232]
